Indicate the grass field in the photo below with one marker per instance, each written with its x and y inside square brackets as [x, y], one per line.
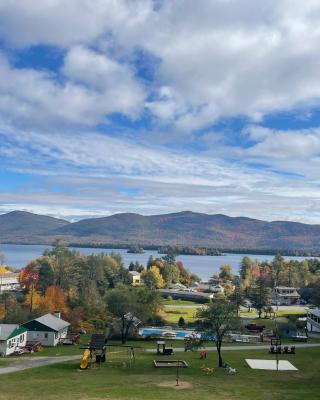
[180, 303]
[173, 314]
[143, 381]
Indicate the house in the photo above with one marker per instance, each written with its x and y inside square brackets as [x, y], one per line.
[183, 295]
[48, 329]
[179, 286]
[285, 296]
[9, 281]
[135, 278]
[217, 289]
[313, 320]
[11, 337]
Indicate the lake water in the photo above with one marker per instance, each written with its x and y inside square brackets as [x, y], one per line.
[18, 256]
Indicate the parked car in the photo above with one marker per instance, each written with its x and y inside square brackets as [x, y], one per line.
[254, 327]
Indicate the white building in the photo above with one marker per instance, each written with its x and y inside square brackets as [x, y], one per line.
[217, 289]
[135, 278]
[11, 338]
[48, 329]
[9, 281]
[313, 320]
[285, 296]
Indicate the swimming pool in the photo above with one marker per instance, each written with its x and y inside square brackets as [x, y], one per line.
[170, 334]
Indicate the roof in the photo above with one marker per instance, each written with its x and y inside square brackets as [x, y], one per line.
[134, 273]
[52, 322]
[8, 331]
[315, 311]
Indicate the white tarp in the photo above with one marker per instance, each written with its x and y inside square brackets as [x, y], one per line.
[271, 365]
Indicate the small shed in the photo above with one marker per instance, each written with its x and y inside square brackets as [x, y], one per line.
[12, 337]
[48, 329]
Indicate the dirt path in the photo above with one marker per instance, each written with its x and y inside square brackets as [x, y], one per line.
[35, 362]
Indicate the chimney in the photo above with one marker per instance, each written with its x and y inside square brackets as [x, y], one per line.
[57, 314]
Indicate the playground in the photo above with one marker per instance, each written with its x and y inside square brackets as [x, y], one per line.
[121, 377]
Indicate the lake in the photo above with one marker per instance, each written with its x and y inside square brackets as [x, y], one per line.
[18, 256]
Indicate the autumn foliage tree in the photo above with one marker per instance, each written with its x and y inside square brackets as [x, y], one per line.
[54, 300]
[152, 278]
[29, 280]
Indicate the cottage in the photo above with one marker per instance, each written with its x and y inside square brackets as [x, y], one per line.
[135, 278]
[313, 320]
[9, 281]
[285, 296]
[48, 329]
[11, 337]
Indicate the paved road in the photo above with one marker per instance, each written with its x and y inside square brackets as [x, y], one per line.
[36, 362]
[253, 347]
[280, 308]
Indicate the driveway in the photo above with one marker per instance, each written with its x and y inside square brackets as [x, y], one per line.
[35, 362]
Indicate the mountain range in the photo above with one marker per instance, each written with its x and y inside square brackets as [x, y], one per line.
[183, 228]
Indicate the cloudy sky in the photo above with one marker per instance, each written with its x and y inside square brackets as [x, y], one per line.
[160, 106]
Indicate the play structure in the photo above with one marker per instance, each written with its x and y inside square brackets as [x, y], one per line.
[97, 349]
[163, 350]
[124, 355]
[170, 363]
[117, 354]
[177, 364]
[193, 342]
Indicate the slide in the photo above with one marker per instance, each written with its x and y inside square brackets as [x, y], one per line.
[85, 359]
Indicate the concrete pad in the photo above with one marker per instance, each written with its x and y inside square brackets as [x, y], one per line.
[271, 365]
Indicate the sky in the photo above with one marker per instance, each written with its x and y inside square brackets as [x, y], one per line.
[153, 107]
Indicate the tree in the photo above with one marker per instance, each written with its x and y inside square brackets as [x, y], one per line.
[181, 322]
[170, 274]
[260, 295]
[46, 274]
[276, 269]
[237, 298]
[226, 272]
[29, 280]
[54, 300]
[184, 274]
[35, 298]
[245, 267]
[316, 295]
[217, 319]
[170, 257]
[152, 278]
[129, 305]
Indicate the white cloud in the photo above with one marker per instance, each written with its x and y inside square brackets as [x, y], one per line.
[29, 97]
[219, 59]
[64, 23]
[95, 167]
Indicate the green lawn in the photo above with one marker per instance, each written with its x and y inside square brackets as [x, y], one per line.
[173, 314]
[180, 303]
[141, 381]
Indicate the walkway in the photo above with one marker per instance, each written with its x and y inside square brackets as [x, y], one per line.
[245, 347]
[35, 362]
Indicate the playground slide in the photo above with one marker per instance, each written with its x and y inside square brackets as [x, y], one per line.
[85, 359]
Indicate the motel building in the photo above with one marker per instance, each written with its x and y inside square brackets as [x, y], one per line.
[9, 282]
[11, 338]
[313, 320]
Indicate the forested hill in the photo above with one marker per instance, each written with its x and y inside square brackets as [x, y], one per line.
[184, 228]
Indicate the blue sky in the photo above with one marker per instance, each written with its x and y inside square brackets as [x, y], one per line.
[154, 107]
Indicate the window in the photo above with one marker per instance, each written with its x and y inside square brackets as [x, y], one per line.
[21, 338]
[46, 336]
